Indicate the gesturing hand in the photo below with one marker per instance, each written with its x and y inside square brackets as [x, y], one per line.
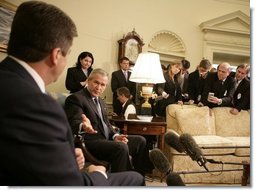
[86, 125]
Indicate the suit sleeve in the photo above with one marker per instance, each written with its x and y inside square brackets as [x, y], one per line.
[191, 87]
[43, 152]
[178, 92]
[72, 83]
[244, 101]
[114, 82]
[73, 111]
[77, 104]
[207, 88]
[227, 100]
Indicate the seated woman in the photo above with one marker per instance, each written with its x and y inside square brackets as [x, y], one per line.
[170, 91]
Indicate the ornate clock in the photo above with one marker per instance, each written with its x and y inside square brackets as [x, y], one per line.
[130, 46]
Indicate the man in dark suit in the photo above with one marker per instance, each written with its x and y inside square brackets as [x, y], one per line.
[196, 81]
[120, 78]
[86, 111]
[182, 78]
[219, 87]
[36, 140]
[241, 97]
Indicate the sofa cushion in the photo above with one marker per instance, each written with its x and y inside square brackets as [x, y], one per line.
[172, 108]
[241, 141]
[171, 115]
[196, 121]
[229, 125]
[214, 141]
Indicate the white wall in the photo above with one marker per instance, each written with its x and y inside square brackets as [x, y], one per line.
[101, 23]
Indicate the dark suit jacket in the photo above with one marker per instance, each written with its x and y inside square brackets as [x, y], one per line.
[224, 92]
[185, 83]
[73, 78]
[35, 137]
[195, 85]
[241, 97]
[82, 102]
[171, 88]
[118, 80]
[117, 153]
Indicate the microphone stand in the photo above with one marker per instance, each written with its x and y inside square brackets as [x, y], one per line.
[224, 147]
[245, 169]
[204, 171]
[221, 162]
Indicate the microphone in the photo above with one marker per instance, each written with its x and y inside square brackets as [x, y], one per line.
[172, 139]
[174, 179]
[159, 161]
[192, 149]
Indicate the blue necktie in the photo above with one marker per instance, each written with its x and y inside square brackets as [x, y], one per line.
[106, 130]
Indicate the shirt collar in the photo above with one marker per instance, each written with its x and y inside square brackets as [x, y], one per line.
[123, 105]
[238, 81]
[39, 81]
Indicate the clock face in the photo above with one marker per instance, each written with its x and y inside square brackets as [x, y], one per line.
[132, 50]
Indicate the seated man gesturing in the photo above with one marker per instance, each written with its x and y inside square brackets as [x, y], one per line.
[101, 140]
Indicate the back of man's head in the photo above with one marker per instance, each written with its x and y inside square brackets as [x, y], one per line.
[123, 91]
[37, 29]
[205, 63]
[185, 64]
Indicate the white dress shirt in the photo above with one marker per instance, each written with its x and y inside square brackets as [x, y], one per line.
[130, 110]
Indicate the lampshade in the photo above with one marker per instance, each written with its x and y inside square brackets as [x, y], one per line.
[147, 69]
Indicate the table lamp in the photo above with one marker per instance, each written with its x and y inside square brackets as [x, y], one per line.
[148, 71]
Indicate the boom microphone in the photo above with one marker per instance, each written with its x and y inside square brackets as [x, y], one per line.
[159, 161]
[192, 149]
[174, 179]
[172, 139]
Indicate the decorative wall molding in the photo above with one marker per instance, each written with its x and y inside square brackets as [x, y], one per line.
[236, 22]
[228, 34]
[169, 45]
[238, 2]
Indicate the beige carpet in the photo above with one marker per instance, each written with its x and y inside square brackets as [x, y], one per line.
[157, 183]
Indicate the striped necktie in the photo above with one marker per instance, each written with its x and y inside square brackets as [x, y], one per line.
[106, 129]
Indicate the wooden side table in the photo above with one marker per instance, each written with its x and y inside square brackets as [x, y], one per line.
[137, 127]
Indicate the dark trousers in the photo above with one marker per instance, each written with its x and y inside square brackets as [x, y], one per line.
[118, 154]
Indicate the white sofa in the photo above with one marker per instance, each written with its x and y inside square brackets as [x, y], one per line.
[210, 128]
